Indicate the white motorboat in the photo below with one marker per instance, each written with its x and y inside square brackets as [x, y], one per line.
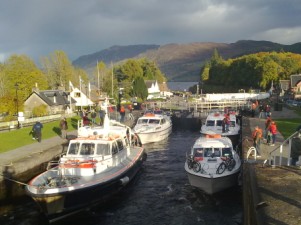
[212, 164]
[153, 126]
[95, 167]
[214, 125]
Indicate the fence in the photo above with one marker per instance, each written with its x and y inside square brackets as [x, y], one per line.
[10, 125]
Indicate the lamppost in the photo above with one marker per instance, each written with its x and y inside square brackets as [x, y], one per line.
[17, 104]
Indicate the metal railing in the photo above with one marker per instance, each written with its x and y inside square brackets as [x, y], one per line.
[278, 151]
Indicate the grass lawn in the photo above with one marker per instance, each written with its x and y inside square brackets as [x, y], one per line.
[288, 126]
[16, 138]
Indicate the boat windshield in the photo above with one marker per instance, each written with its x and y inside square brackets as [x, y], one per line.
[198, 152]
[103, 149]
[142, 121]
[219, 123]
[154, 121]
[210, 123]
[73, 148]
[212, 152]
[87, 149]
[226, 152]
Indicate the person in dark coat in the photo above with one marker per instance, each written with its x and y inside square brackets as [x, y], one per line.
[37, 131]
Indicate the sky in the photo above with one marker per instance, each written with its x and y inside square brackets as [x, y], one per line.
[37, 28]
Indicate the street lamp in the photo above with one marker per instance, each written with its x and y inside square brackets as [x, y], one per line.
[17, 103]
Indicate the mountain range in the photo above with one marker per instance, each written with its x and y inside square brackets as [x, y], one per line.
[180, 62]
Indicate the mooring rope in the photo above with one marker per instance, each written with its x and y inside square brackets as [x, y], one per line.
[18, 182]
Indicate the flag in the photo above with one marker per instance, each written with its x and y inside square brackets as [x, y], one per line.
[71, 88]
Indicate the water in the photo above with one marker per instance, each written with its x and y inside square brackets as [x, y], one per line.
[159, 195]
[180, 86]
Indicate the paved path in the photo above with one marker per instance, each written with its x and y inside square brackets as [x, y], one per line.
[260, 122]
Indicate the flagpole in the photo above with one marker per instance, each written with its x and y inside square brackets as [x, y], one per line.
[112, 78]
[81, 97]
[98, 78]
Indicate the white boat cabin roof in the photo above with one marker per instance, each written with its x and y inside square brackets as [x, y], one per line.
[213, 141]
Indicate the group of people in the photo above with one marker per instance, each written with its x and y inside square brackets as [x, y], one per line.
[269, 134]
[63, 125]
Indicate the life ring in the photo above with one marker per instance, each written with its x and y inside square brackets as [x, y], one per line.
[213, 136]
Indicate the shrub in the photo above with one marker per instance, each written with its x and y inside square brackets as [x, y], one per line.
[40, 110]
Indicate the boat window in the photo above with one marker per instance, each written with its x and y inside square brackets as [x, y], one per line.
[210, 123]
[73, 149]
[103, 149]
[198, 152]
[120, 144]
[114, 148]
[217, 152]
[227, 152]
[219, 123]
[232, 124]
[207, 152]
[87, 149]
[153, 121]
[142, 121]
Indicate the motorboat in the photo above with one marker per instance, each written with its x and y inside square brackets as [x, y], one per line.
[214, 125]
[153, 126]
[212, 164]
[95, 167]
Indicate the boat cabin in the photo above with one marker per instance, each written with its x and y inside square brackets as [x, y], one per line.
[216, 120]
[89, 156]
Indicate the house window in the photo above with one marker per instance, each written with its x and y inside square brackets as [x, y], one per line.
[77, 94]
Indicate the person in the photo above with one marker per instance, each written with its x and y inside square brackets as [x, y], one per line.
[267, 126]
[227, 122]
[273, 130]
[224, 125]
[101, 116]
[130, 112]
[257, 135]
[86, 120]
[253, 108]
[268, 110]
[64, 128]
[93, 116]
[37, 130]
[122, 113]
[261, 111]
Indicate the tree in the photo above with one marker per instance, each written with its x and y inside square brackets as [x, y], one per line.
[21, 70]
[139, 88]
[59, 70]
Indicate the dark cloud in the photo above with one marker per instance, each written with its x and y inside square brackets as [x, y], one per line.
[39, 27]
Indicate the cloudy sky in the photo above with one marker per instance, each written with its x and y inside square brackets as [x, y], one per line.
[37, 28]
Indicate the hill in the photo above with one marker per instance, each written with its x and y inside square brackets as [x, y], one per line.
[181, 62]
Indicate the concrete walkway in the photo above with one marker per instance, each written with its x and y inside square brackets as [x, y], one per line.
[271, 193]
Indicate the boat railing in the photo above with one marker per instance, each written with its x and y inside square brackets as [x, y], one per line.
[281, 155]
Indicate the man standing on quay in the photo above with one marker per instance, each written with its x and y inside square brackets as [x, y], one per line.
[64, 128]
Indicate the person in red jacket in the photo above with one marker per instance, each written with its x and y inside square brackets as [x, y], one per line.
[273, 130]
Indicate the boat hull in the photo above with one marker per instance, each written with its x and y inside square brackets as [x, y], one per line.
[149, 137]
[60, 205]
[212, 185]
